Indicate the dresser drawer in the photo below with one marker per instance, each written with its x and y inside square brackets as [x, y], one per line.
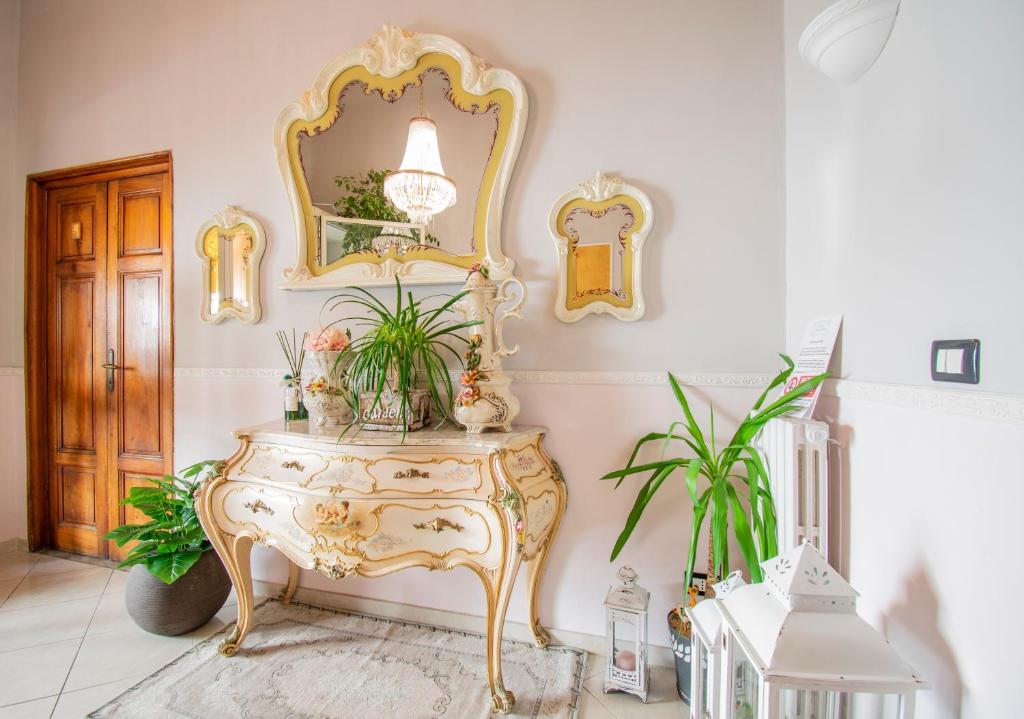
[361, 531]
[386, 474]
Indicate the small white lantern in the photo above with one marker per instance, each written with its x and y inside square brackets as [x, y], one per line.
[626, 636]
[794, 647]
[706, 639]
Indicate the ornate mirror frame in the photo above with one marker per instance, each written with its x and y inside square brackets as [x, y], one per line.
[597, 197]
[232, 220]
[389, 63]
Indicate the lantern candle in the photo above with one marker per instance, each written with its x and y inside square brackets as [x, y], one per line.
[626, 660]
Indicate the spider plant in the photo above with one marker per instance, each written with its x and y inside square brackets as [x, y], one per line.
[722, 481]
[402, 349]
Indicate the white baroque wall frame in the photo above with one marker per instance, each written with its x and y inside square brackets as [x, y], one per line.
[389, 53]
[596, 195]
[229, 218]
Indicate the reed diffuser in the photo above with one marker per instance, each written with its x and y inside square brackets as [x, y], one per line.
[295, 354]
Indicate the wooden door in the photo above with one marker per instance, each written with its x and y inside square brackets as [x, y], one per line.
[76, 232]
[108, 355]
[139, 331]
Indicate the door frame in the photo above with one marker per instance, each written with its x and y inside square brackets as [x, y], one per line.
[37, 430]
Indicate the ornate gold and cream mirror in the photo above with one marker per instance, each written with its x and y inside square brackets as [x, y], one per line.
[396, 162]
[599, 230]
[231, 247]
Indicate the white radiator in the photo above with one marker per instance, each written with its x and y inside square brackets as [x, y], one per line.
[796, 454]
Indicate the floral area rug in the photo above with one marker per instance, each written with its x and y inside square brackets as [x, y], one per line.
[304, 662]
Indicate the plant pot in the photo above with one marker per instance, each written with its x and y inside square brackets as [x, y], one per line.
[327, 409]
[679, 630]
[386, 414]
[187, 604]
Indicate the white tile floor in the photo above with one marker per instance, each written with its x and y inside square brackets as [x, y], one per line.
[68, 646]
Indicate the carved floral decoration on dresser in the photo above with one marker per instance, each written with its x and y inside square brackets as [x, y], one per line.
[334, 570]
[470, 392]
[512, 501]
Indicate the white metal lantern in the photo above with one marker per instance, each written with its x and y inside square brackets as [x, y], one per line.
[794, 647]
[705, 639]
[626, 636]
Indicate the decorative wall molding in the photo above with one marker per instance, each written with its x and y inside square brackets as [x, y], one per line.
[584, 377]
[965, 403]
[231, 372]
[12, 371]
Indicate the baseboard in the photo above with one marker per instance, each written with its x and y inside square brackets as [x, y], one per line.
[657, 656]
[14, 544]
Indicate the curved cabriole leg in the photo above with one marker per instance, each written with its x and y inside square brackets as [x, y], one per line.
[235, 555]
[285, 597]
[535, 571]
[499, 589]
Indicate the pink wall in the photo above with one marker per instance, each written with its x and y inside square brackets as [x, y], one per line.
[683, 98]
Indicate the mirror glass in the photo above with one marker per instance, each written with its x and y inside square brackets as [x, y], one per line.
[598, 242]
[230, 253]
[346, 168]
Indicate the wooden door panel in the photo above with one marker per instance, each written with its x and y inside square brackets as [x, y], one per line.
[75, 369]
[76, 498]
[77, 221]
[139, 225]
[76, 232]
[139, 396]
[140, 201]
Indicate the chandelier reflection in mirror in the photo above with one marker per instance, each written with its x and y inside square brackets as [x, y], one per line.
[420, 187]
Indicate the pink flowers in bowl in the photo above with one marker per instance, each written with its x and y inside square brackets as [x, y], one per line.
[327, 339]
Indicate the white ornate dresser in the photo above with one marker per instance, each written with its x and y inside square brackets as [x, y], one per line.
[370, 505]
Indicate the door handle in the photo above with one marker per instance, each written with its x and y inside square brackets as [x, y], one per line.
[110, 366]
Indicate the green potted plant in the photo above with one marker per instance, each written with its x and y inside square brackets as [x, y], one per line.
[397, 372]
[364, 199]
[176, 583]
[723, 482]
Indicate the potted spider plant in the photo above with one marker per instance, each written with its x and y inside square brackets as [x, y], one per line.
[176, 583]
[397, 372]
[727, 483]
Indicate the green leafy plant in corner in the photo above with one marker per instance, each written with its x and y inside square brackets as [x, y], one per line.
[402, 350]
[364, 199]
[723, 482]
[172, 540]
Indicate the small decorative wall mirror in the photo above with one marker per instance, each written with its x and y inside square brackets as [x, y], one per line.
[599, 230]
[396, 162]
[231, 247]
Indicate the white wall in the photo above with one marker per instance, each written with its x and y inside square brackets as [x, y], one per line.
[903, 212]
[685, 99]
[12, 433]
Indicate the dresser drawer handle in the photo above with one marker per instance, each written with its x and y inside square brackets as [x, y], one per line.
[292, 464]
[439, 524]
[258, 506]
[411, 474]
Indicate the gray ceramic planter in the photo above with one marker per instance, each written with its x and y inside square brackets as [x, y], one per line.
[187, 604]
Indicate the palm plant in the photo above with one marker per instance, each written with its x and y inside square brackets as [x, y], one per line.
[402, 350]
[721, 481]
[172, 540]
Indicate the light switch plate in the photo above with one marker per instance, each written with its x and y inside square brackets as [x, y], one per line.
[956, 361]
